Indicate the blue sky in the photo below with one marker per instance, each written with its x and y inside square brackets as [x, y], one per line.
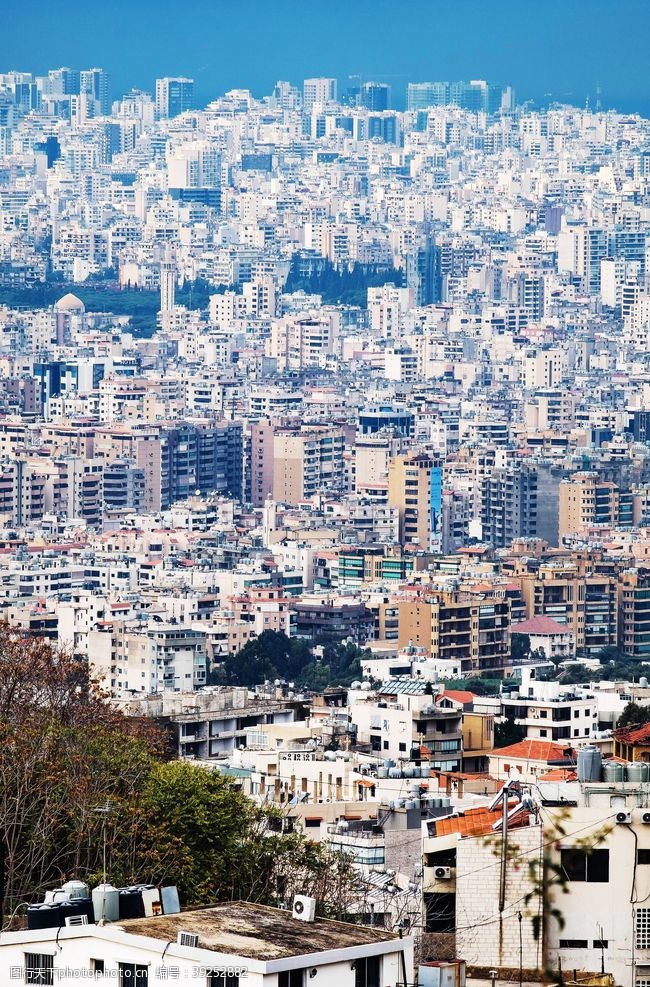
[562, 47]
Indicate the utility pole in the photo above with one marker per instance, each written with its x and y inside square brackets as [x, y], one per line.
[504, 846]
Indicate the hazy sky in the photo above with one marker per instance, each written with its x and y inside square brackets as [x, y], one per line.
[563, 47]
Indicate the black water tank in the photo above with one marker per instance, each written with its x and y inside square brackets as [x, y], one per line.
[44, 917]
[131, 904]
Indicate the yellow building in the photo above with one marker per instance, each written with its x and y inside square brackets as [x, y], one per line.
[415, 489]
[586, 500]
[452, 624]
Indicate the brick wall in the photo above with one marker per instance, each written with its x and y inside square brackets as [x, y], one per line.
[484, 937]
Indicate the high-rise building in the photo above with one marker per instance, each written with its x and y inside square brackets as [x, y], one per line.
[586, 500]
[63, 82]
[422, 95]
[477, 96]
[306, 463]
[415, 489]
[173, 96]
[509, 505]
[95, 84]
[423, 272]
[375, 96]
[318, 91]
[194, 173]
[167, 288]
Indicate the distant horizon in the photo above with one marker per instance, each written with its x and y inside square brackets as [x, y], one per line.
[554, 52]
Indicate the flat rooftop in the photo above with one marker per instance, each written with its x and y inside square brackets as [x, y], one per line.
[255, 931]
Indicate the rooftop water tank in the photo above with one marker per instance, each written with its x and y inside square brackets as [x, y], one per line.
[589, 764]
[43, 917]
[106, 903]
[613, 771]
[76, 889]
[130, 903]
[638, 771]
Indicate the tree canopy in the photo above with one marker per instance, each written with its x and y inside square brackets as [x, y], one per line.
[273, 655]
[634, 716]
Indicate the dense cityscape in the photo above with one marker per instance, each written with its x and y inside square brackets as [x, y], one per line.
[324, 535]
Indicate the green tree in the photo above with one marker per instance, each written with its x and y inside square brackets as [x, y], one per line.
[520, 646]
[508, 732]
[63, 752]
[634, 716]
[271, 655]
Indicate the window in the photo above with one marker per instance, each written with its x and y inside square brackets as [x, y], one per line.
[291, 978]
[586, 865]
[574, 943]
[600, 943]
[402, 747]
[367, 971]
[642, 928]
[222, 978]
[643, 856]
[543, 733]
[440, 912]
[39, 968]
[133, 975]
[97, 966]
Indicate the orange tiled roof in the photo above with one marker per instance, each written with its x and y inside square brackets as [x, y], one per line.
[558, 774]
[634, 734]
[531, 750]
[459, 695]
[477, 822]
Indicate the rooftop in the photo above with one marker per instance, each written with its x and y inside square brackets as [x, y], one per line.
[531, 750]
[255, 931]
[540, 625]
[478, 822]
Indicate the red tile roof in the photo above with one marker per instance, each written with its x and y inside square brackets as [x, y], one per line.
[531, 750]
[558, 774]
[458, 695]
[634, 734]
[540, 625]
[478, 822]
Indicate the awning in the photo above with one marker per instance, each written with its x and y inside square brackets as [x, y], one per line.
[364, 783]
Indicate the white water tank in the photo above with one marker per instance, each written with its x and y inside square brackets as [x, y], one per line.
[106, 903]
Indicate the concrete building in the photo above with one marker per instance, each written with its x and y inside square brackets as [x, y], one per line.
[415, 489]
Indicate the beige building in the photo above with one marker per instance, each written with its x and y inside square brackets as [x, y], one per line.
[453, 624]
[306, 462]
[543, 368]
[582, 599]
[302, 341]
[414, 488]
[586, 500]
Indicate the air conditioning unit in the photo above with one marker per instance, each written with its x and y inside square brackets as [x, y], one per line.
[442, 873]
[624, 818]
[190, 939]
[645, 818]
[304, 908]
[74, 920]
